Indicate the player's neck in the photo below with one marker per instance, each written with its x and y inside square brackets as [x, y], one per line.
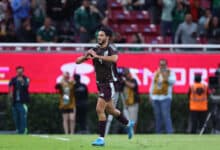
[104, 45]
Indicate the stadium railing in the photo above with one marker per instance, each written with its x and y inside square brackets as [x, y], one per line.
[80, 47]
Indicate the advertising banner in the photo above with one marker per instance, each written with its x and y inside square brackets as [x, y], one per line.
[45, 69]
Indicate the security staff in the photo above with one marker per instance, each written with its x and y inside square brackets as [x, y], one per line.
[198, 103]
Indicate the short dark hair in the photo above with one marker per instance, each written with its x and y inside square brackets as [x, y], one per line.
[77, 77]
[19, 67]
[198, 78]
[163, 59]
[108, 31]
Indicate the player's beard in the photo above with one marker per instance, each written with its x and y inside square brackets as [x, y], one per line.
[102, 42]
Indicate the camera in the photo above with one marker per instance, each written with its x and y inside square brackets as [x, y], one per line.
[121, 71]
[214, 81]
[121, 75]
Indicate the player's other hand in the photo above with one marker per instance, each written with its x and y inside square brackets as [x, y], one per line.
[88, 55]
[93, 53]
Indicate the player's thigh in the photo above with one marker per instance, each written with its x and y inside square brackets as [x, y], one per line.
[65, 116]
[110, 108]
[101, 105]
[72, 115]
[110, 105]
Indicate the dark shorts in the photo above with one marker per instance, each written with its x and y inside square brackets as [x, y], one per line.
[106, 90]
[66, 111]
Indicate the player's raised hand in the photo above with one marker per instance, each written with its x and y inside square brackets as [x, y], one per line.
[88, 55]
[93, 54]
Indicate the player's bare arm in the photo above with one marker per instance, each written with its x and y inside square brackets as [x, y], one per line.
[112, 58]
[83, 58]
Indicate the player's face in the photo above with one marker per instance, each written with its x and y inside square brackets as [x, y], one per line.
[66, 75]
[20, 71]
[102, 38]
[163, 65]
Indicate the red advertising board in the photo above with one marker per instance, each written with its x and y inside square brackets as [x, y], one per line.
[45, 69]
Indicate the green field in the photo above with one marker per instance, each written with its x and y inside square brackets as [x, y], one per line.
[113, 142]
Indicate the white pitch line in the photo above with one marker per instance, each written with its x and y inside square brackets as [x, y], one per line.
[57, 138]
[62, 139]
[41, 136]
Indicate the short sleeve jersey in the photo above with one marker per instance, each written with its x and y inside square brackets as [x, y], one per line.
[105, 71]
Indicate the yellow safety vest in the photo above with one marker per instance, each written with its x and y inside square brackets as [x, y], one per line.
[160, 87]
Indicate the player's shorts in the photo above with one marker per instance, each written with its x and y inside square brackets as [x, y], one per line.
[67, 111]
[106, 90]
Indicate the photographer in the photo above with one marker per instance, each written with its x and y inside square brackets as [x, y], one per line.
[132, 98]
[198, 103]
[19, 94]
[161, 96]
[67, 103]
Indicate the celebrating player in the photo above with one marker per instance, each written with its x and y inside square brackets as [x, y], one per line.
[104, 58]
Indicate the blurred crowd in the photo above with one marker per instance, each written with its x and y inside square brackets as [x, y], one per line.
[182, 21]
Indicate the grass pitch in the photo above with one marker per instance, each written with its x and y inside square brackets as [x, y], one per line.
[113, 142]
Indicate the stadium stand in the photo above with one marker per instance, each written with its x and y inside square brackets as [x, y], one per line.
[125, 22]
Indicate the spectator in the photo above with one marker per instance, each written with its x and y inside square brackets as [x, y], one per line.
[166, 17]
[195, 10]
[38, 10]
[138, 4]
[86, 21]
[3, 9]
[26, 33]
[3, 18]
[18, 92]
[133, 4]
[67, 103]
[132, 98]
[216, 8]
[7, 24]
[47, 33]
[213, 30]
[198, 103]
[187, 31]
[155, 9]
[11, 35]
[161, 96]
[179, 13]
[205, 4]
[102, 6]
[137, 38]
[81, 95]
[203, 21]
[59, 10]
[66, 32]
[21, 10]
[97, 18]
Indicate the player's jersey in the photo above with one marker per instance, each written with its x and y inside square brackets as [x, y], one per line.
[105, 71]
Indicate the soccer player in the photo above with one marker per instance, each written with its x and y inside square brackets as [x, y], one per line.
[104, 58]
